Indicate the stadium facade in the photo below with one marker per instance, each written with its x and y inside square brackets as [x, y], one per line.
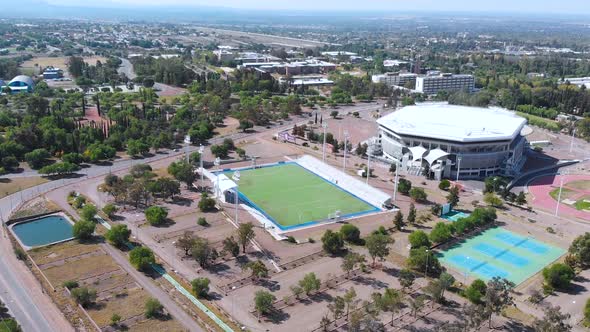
[441, 140]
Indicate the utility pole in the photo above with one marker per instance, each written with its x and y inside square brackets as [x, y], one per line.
[325, 126]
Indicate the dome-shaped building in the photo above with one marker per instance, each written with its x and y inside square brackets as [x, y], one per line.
[21, 83]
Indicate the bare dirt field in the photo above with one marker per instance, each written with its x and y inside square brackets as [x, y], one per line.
[10, 186]
[34, 65]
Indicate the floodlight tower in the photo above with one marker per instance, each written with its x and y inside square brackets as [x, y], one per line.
[346, 136]
[458, 167]
[395, 179]
[369, 152]
[561, 175]
[325, 126]
[217, 162]
[236, 178]
[201, 150]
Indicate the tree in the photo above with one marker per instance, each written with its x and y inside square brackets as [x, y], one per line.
[263, 302]
[219, 151]
[350, 233]
[440, 233]
[153, 308]
[416, 304]
[186, 242]
[398, 220]
[553, 321]
[435, 290]
[296, 290]
[406, 278]
[558, 276]
[404, 186]
[492, 200]
[310, 283]
[419, 239]
[475, 291]
[88, 212]
[59, 169]
[337, 307]
[73, 158]
[37, 158]
[350, 261]
[349, 298]
[444, 184]
[453, 196]
[83, 229]
[257, 269]
[230, 245]
[200, 287]
[423, 260]
[498, 297]
[521, 198]
[141, 258]
[110, 209]
[446, 280]
[245, 125]
[245, 234]
[202, 252]
[183, 172]
[118, 235]
[206, 204]
[587, 311]
[332, 242]
[334, 114]
[418, 194]
[580, 250]
[156, 215]
[378, 246]
[390, 301]
[83, 296]
[412, 214]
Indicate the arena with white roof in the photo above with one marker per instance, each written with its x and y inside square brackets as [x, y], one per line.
[441, 140]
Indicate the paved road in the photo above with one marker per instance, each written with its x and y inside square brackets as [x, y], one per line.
[127, 69]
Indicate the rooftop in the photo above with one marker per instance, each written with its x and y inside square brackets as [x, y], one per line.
[454, 123]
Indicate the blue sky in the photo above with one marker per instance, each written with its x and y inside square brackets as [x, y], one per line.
[520, 6]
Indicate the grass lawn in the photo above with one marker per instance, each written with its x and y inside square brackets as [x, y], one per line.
[292, 195]
[582, 204]
[565, 193]
[10, 186]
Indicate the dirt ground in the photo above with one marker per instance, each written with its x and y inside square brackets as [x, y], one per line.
[36, 64]
[12, 185]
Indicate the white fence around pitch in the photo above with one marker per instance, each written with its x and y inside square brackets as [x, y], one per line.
[355, 186]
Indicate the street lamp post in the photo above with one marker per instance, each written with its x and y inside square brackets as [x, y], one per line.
[395, 180]
[236, 178]
[325, 126]
[572, 142]
[345, 148]
[426, 268]
[458, 167]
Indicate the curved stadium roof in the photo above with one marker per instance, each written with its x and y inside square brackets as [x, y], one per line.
[24, 79]
[454, 123]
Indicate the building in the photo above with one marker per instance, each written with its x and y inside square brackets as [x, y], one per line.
[21, 83]
[307, 81]
[442, 140]
[577, 81]
[394, 79]
[306, 67]
[51, 73]
[432, 84]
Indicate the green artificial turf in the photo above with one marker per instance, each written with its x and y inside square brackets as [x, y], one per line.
[292, 195]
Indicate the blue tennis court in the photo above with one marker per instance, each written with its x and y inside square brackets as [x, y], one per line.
[500, 253]
[455, 215]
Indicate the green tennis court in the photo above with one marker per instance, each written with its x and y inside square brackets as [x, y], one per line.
[500, 253]
[292, 195]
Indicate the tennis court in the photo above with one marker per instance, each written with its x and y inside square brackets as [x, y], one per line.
[500, 253]
[291, 195]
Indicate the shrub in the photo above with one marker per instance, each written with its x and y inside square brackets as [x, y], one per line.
[404, 186]
[88, 212]
[291, 239]
[444, 184]
[419, 239]
[332, 242]
[110, 209]
[118, 235]
[153, 308]
[115, 319]
[350, 233]
[202, 222]
[440, 233]
[79, 202]
[20, 254]
[70, 284]
[83, 229]
[475, 291]
[141, 258]
[418, 194]
[156, 215]
[83, 296]
[200, 287]
[558, 275]
[206, 203]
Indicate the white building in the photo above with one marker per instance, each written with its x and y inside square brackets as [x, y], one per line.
[441, 140]
[432, 84]
[394, 79]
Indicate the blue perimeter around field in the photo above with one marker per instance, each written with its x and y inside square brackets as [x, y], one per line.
[305, 224]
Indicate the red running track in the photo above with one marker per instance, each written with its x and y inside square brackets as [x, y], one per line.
[541, 187]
